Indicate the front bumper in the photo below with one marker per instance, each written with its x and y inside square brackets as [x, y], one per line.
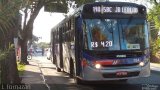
[109, 73]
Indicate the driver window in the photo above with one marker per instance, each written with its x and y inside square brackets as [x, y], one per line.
[97, 35]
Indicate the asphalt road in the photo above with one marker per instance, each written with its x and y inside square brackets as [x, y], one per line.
[60, 81]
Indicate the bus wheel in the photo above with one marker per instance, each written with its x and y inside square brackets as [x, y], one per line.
[58, 69]
[71, 73]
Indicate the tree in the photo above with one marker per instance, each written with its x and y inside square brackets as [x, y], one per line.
[33, 40]
[8, 21]
[31, 9]
[9, 15]
[154, 17]
[43, 45]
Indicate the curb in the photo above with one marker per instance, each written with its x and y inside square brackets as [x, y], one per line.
[155, 67]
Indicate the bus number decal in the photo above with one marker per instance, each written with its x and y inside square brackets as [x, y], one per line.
[94, 44]
[101, 44]
[105, 9]
[106, 43]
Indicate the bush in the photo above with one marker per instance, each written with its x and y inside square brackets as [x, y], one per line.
[155, 46]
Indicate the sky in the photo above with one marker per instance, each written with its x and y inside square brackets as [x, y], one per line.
[45, 21]
[43, 24]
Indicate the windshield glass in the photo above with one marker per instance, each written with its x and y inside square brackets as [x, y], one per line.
[115, 34]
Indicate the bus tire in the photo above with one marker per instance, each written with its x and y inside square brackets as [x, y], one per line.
[71, 73]
[78, 81]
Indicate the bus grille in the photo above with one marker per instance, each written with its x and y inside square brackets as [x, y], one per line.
[120, 65]
[113, 55]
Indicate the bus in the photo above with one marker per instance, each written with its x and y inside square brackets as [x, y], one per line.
[103, 41]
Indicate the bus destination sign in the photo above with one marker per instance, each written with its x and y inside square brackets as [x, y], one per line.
[108, 9]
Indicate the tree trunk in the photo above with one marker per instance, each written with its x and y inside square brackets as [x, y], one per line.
[24, 52]
[27, 30]
[13, 71]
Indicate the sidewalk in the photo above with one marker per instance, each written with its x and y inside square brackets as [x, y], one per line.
[33, 77]
[32, 74]
[155, 67]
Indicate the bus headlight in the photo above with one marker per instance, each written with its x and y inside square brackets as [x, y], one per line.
[141, 64]
[85, 63]
[97, 66]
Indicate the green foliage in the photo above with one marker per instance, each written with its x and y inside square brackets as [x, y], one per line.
[56, 6]
[155, 46]
[8, 11]
[80, 2]
[61, 5]
[4, 54]
[43, 45]
[154, 16]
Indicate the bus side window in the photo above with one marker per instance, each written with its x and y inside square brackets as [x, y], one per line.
[72, 34]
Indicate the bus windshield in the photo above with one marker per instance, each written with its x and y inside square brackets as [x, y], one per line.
[115, 34]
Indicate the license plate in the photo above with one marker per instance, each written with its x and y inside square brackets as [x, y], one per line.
[121, 73]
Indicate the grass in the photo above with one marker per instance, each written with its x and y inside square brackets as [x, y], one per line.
[21, 68]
